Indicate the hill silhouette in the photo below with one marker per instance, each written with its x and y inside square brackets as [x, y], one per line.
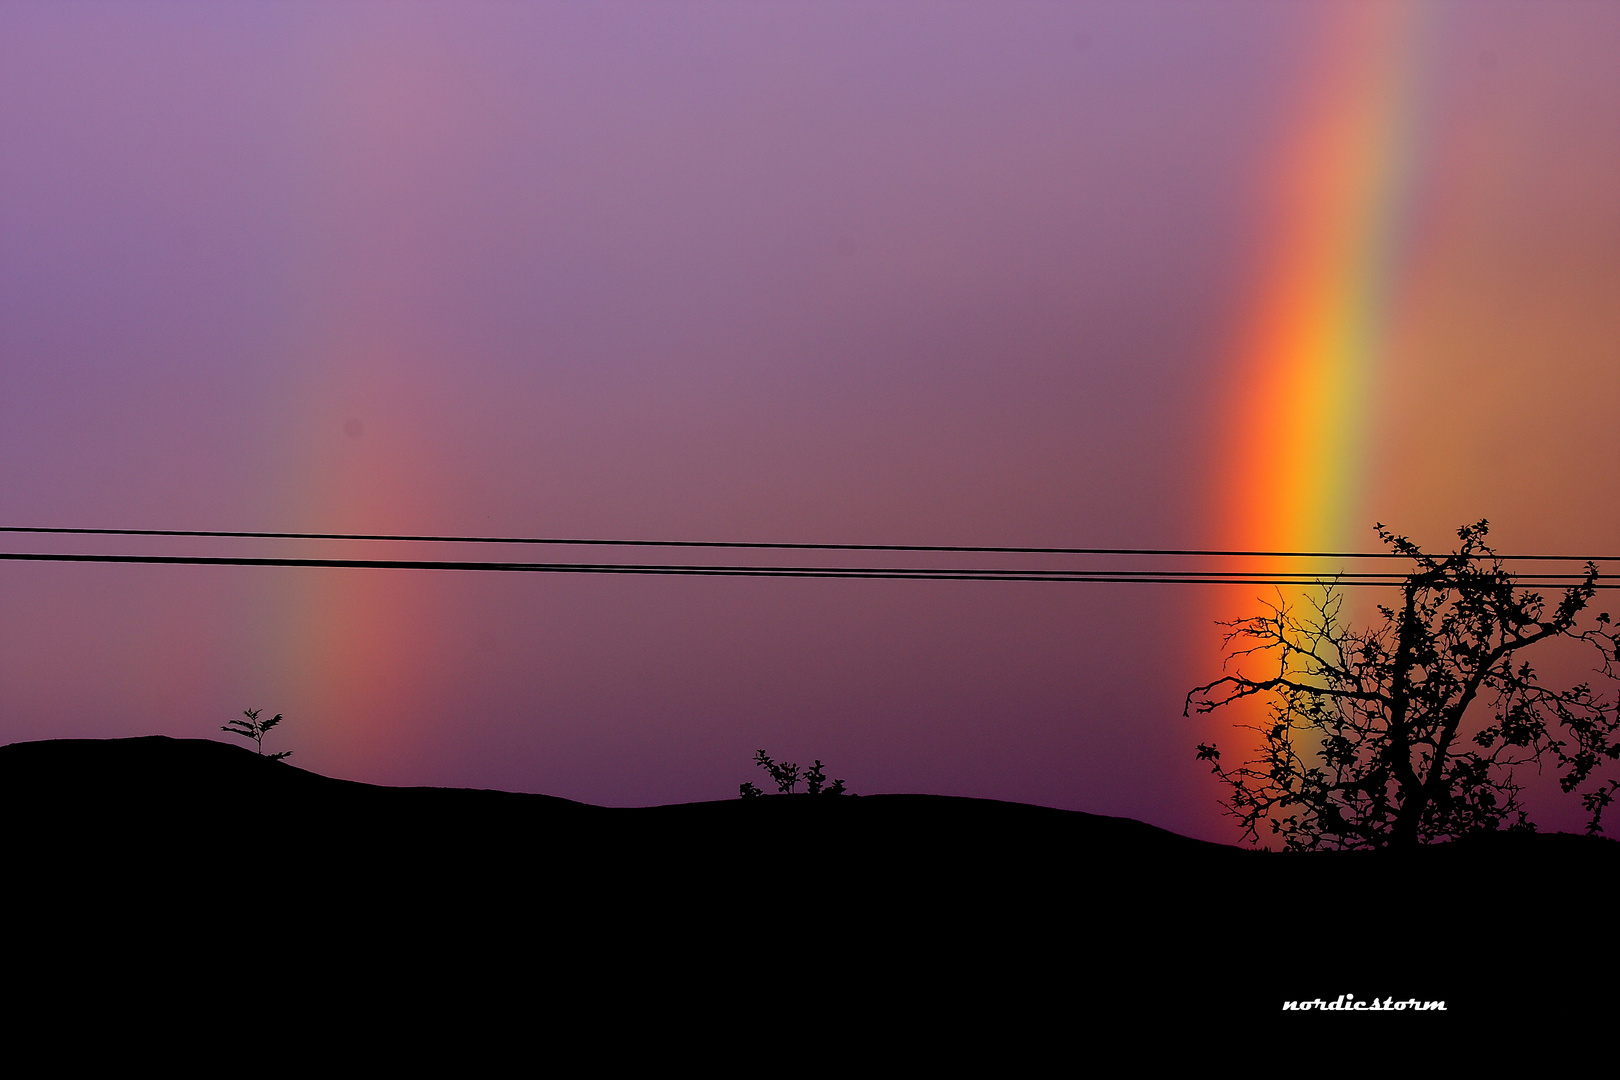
[127, 856]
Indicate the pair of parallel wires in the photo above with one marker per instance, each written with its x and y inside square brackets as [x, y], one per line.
[1119, 569]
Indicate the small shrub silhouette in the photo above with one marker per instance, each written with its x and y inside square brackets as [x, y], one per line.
[786, 777]
[254, 728]
[815, 779]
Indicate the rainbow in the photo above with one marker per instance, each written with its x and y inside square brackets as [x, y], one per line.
[355, 657]
[1310, 345]
[352, 650]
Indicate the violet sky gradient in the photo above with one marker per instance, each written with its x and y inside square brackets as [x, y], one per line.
[840, 272]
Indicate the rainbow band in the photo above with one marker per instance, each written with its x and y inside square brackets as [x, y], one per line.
[1314, 340]
[1311, 348]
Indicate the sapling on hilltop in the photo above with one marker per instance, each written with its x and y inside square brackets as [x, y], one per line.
[254, 728]
[786, 777]
[786, 774]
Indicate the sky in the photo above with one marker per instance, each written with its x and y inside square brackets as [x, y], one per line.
[1244, 275]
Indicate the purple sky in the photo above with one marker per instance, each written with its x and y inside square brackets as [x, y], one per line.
[864, 272]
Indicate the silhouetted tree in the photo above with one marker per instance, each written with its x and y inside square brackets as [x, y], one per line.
[253, 728]
[1409, 732]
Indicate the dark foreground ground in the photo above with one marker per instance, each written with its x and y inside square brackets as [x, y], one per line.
[196, 876]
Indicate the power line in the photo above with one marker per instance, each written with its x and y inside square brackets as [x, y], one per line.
[1226, 577]
[735, 544]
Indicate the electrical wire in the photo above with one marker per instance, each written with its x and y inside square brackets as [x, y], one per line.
[959, 548]
[1228, 577]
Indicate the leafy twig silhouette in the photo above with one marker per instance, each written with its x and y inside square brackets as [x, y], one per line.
[254, 728]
